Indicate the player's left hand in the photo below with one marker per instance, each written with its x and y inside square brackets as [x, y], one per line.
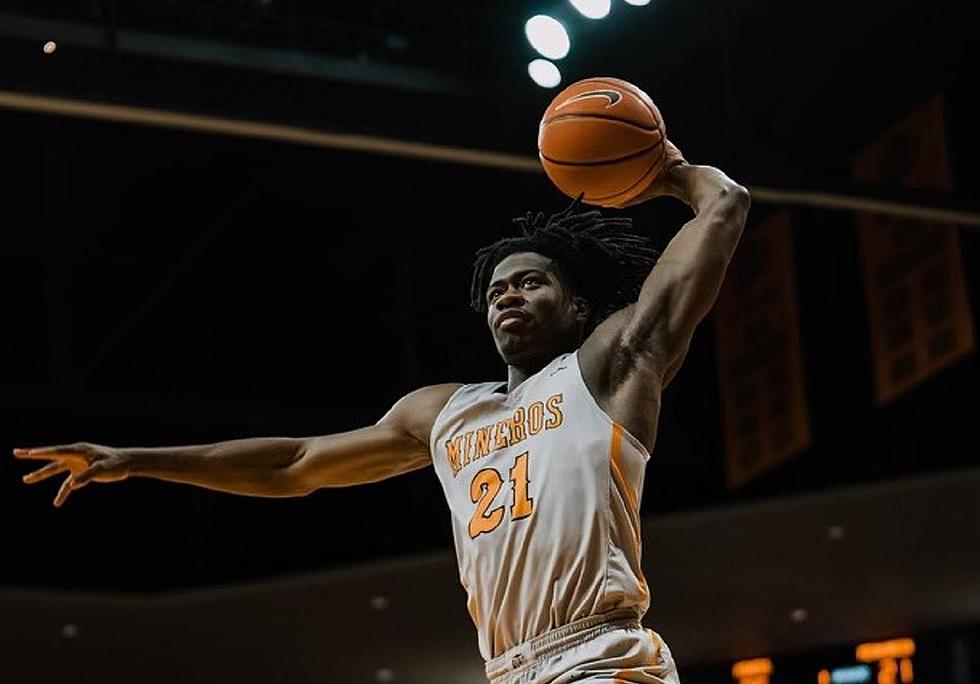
[663, 184]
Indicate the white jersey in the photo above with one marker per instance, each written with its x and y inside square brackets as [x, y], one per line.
[544, 491]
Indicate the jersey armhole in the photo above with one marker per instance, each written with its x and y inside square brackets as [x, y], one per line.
[637, 444]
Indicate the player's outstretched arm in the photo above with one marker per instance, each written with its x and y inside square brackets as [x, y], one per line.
[267, 466]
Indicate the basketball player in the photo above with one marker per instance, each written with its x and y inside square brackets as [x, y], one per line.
[543, 473]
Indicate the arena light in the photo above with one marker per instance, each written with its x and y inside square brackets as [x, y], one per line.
[544, 73]
[593, 9]
[757, 667]
[857, 674]
[880, 650]
[547, 36]
[638, 3]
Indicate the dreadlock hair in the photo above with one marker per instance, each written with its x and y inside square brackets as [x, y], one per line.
[602, 258]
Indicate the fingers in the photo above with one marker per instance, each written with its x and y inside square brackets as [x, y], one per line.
[48, 452]
[44, 473]
[672, 156]
[64, 491]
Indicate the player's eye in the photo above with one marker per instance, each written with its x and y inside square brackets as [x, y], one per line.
[531, 279]
[492, 295]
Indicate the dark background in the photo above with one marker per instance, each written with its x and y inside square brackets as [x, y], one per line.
[166, 287]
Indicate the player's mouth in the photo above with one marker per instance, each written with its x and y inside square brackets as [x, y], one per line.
[511, 319]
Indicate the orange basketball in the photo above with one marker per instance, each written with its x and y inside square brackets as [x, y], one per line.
[603, 137]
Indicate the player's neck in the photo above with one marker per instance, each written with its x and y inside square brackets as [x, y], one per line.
[516, 374]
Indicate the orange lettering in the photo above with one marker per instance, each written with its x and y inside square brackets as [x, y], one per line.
[468, 449]
[517, 431]
[556, 415]
[535, 417]
[483, 441]
[500, 437]
[452, 453]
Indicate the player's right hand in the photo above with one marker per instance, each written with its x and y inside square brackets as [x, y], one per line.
[84, 462]
[662, 184]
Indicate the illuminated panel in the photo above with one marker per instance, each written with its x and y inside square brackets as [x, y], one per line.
[887, 671]
[875, 651]
[906, 671]
[752, 668]
[754, 671]
[858, 674]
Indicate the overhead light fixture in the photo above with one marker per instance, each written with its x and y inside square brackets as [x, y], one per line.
[548, 36]
[593, 9]
[544, 73]
[638, 3]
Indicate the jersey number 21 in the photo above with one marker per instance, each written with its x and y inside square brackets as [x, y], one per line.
[484, 488]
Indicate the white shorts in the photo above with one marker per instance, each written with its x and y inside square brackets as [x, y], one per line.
[612, 648]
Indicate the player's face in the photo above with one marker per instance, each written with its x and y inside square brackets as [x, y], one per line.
[530, 311]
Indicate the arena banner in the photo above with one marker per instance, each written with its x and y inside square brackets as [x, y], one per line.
[918, 309]
[760, 368]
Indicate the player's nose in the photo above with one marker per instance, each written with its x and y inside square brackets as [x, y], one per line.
[511, 297]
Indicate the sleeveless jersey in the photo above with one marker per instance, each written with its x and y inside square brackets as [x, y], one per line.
[544, 492]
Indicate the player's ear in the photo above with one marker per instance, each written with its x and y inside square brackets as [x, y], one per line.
[582, 309]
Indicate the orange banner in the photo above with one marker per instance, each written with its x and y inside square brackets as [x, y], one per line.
[918, 309]
[758, 345]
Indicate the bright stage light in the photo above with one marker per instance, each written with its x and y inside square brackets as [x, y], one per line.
[593, 9]
[544, 73]
[547, 36]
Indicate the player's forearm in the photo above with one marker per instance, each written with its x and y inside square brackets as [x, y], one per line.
[721, 205]
[256, 467]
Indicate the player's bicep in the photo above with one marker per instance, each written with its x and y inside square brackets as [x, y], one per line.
[359, 456]
[396, 444]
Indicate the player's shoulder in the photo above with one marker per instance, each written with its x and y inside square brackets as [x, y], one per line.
[434, 394]
[416, 412]
[429, 399]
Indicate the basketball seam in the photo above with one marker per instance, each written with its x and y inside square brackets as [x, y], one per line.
[634, 184]
[600, 162]
[607, 117]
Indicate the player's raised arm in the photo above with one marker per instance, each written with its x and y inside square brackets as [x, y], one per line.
[684, 283]
[267, 466]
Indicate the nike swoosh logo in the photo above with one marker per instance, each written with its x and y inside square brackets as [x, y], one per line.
[560, 368]
[613, 96]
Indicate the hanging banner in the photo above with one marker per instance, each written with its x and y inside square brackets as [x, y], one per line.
[916, 296]
[760, 369]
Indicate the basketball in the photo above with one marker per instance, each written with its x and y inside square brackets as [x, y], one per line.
[603, 137]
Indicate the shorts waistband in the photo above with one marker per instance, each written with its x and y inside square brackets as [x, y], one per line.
[558, 639]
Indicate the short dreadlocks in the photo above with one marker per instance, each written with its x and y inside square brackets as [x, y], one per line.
[602, 258]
